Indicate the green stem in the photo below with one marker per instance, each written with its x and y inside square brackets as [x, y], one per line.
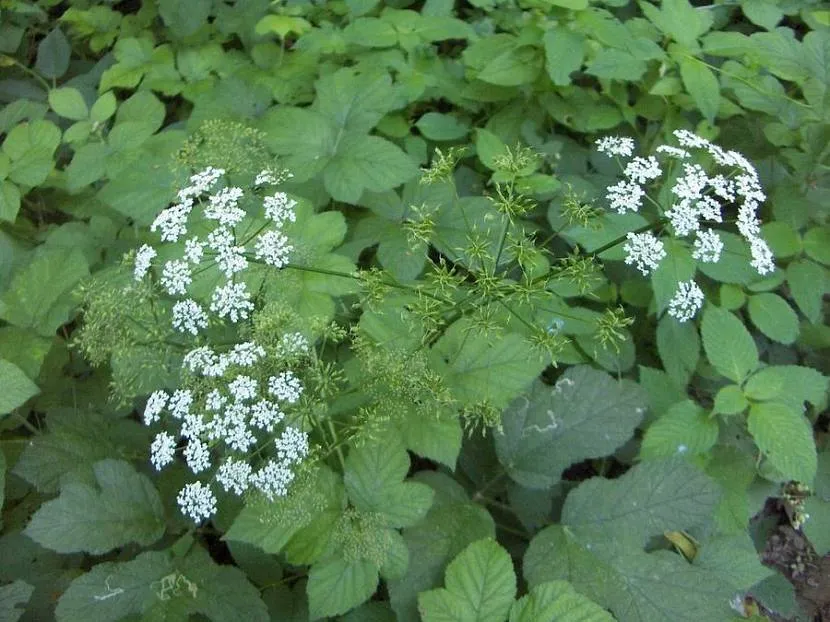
[32, 73]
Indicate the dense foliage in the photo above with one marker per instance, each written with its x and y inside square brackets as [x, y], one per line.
[475, 311]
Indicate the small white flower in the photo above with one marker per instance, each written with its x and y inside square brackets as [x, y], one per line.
[292, 445]
[265, 415]
[748, 224]
[273, 248]
[201, 182]
[194, 426]
[684, 218]
[197, 501]
[173, 221]
[234, 475]
[223, 206]
[229, 258]
[194, 250]
[673, 152]
[155, 404]
[709, 209]
[189, 317]
[691, 140]
[293, 344]
[232, 301]
[199, 358]
[687, 301]
[691, 184]
[215, 401]
[286, 387]
[280, 208]
[243, 388]
[625, 196]
[643, 170]
[265, 177]
[176, 277]
[273, 479]
[644, 251]
[615, 146]
[762, 257]
[197, 455]
[246, 354]
[723, 187]
[708, 246]
[162, 450]
[180, 403]
[143, 258]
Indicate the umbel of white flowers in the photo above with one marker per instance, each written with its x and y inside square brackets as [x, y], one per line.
[229, 410]
[698, 198]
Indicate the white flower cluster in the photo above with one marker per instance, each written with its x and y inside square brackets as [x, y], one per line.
[229, 407]
[697, 197]
[223, 207]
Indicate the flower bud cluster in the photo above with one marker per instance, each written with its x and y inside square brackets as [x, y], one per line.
[697, 200]
[227, 419]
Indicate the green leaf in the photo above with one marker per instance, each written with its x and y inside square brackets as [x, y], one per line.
[730, 400]
[817, 243]
[817, 526]
[39, 296]
[451, 524]
[53, 55]
[734, 560]
[338, 585]
[734, 265]
[88, 165]
[676, 267]
[728, 344]
[786, 438]
[124, 507]
[803, 278]
[702, 85]
[774, 317]
[371, 32]
[68, 103]
[31, 147]
[557, 601]
[437, 437]
[374, 482]
[11, 595]
[9, 201]
[685, 429]
[615, 64]
[678, 345]
[354, 102]
[103, 108]
[588, 414]
[17, 388]
[489, 147]
[482, 369]
[480, 586]
[679, 20]
[437, 126]
[653, 497]
[184, 17]
[366, 163]
[635, 586]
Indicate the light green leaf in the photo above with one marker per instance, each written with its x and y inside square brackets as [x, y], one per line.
[588, 414]
[68, 103]
[39, 296]
[11, 595]
[480, 586]
[437, 126]
[103, 108]
[803, 278]
[17, 388]
[31, 147]
[786, 438]
[486, 369]
[88, 165]
[557, 601]
[685, 429]
[678, 345]
[354, 102]
[124, 507]
[653, 497]
[374, 482]
[9, 201]
[817, 526]
[702, 85]
[184, 17]
[489, 147]
[371, 32]
[615, 64]
[679, 20]
[728, 344]
[817, 243]
[730, 400]
[774, 317]
[338, 585]
[734, 265]
[435, 437]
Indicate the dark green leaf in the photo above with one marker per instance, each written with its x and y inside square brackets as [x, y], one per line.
[728, 345]
[53, 55]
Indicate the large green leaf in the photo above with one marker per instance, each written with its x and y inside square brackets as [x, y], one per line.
[686, 429]
[679, 19]
[702, 84]
[679, 347]
[12, 595]
[354, 102]
[774, 317]
[651, 498]
[338, 585]
[785, 436]
[587, 414]
[803, 278]
[374, 482]
[124, 507]
[31, 148]
[480, 586]
[564, 53]
[17, 388]
[728, 344]
[557, 601]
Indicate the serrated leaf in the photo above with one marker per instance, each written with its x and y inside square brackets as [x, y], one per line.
[728, 344]
[679, 20]
[480, 586]
[374, 482]
[730, 400]
[17, 388]
[685, 430]
[803, 278]
[437, 438]
[702, 85]
[587, 414]
[678, 345]
[557, 601]
[734, 560]
[338, 585]
[653, 497]
[786, 438]
[124, 507]
[774, 317]
[816, 244]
